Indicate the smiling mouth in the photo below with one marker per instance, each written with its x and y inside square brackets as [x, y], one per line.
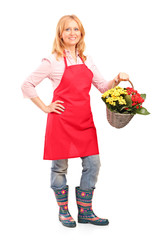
[72, 38]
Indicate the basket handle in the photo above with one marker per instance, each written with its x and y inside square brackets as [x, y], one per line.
[113, 85]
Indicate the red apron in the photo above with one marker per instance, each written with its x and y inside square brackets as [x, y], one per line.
[72, 133]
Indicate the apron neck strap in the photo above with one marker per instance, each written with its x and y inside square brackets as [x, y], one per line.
[81, 59]
[65, 61]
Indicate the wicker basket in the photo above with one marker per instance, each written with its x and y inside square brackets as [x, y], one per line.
[118, 120]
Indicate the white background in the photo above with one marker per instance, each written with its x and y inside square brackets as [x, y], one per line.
[121, 36]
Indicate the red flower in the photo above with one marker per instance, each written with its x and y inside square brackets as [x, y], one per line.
[133, 104]
[136, 98]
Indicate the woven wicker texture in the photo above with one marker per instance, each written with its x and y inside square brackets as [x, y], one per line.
[118, 120]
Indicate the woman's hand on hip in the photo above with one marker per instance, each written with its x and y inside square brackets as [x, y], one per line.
[55, 107]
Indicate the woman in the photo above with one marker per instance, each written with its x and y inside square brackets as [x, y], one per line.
[70, 130]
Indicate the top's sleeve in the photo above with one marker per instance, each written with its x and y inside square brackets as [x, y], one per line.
[98, 80]
[42, 71]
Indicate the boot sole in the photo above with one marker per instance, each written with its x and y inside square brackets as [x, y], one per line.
[92, 222]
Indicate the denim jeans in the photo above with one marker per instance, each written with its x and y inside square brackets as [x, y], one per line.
[91, 165]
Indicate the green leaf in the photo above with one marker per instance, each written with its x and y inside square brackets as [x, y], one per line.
[143, 96]
[104, 100]
[128, 100]
[142, 111]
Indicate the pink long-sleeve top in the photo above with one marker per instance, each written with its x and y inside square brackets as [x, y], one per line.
[53, 69]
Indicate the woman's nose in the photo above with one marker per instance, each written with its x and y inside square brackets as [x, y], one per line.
[72, 31]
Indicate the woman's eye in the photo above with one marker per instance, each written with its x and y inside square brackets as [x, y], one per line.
[68, 29]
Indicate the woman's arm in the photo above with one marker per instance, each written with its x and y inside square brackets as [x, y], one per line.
[100, 83]
[120, 77]
[113, 82]
[37, 76]
[28, 88]
[39, 103]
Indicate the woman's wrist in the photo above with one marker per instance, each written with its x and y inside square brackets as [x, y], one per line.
[40, 104]
[116, 80]
[113, 83]
[46, 109]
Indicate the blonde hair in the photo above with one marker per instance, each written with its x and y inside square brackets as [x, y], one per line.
[58, 44]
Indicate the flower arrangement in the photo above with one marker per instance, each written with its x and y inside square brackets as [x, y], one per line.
[125, 101]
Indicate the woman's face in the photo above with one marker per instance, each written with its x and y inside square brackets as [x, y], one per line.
[71, 33]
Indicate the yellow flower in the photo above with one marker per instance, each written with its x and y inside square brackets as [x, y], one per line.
[116, 92]
[122, 101]
[110, 101]
[114, 95]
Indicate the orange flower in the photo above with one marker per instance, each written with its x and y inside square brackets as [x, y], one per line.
[81, 210]
[65, 207]
[83, 194]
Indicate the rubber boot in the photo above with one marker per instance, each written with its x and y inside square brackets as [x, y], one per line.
[64, 215]
[85, 212]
